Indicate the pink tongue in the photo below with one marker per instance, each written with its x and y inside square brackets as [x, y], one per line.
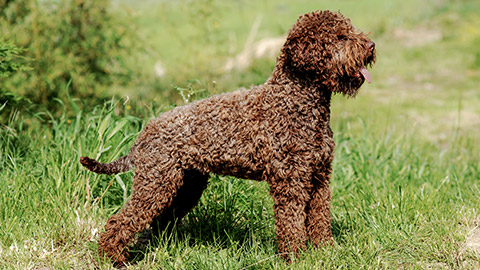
[366, 75]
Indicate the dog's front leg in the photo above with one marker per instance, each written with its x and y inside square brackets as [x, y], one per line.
[290, 200]
[318, 213]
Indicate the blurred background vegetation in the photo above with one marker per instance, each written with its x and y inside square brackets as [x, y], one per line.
[56, 50]
[74, 43]
[89, 51]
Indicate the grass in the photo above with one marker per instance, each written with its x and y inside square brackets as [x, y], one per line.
[406, 169]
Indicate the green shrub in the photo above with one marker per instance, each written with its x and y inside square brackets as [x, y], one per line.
[10, 63]
[76, 41]
[9, 59]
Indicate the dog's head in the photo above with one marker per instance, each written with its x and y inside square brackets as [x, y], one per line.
[325, 49]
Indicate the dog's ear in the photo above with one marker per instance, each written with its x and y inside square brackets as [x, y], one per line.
[308, 49]
[304, 55]
[312, 44]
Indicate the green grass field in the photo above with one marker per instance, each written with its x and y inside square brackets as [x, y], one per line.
[406, 181]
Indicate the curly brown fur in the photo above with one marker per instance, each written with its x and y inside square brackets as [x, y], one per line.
[277, 132]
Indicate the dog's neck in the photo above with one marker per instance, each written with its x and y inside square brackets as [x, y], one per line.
[313, 93]
[312, 97]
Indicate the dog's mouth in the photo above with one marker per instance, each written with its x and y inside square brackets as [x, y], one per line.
[365, 74]
[362, 75]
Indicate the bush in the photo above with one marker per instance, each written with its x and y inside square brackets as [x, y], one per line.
[10, 63]
[75, 41]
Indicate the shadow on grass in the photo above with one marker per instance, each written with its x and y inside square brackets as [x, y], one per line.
[201, 229]
[198, 231]
[224, 219]
[234, 219]
[339, 227]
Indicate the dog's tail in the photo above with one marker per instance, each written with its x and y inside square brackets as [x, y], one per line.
[122, 164]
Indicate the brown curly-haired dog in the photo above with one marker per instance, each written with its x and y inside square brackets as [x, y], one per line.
[277, 132]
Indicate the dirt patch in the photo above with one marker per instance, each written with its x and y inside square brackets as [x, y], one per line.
[265, 48]
[418, 36]
[438, 126]
[473, 241]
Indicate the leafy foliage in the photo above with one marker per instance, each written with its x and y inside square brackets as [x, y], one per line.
[10, 62]
[77, 41]
[9, 55]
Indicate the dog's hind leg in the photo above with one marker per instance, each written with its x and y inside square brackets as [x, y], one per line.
[187, 197]
[153, 192]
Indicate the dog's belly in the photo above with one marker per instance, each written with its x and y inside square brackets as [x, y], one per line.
[238, 171]
[241, 164]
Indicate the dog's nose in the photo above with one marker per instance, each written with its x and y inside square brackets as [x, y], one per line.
[371, 46]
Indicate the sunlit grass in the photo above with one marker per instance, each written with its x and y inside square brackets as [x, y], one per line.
[397, 202]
